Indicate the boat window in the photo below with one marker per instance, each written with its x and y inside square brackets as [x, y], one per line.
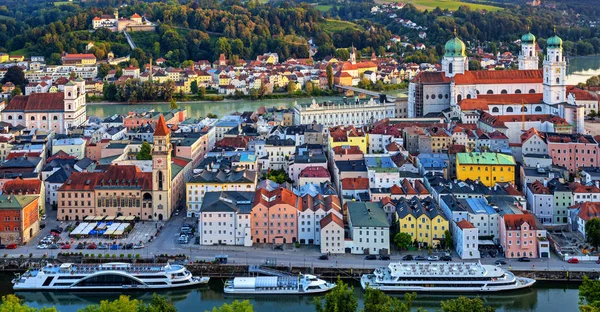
[63, 284]
[107, 280]
[180, 282]
[70, 277]
[48, 281]
[150, 276]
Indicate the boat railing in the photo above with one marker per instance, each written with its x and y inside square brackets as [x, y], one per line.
[265, 271]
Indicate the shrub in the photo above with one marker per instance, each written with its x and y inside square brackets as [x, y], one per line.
[114, 256]
[30, 255]
[92, 255]
[5, 255]
[121, 256]
[44, 256]
[86, 255]
[106, 256]
[22, 256]
[297, 244]
[137, 256]
[128, 255]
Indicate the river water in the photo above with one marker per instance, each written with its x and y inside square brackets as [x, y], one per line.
[543, 297]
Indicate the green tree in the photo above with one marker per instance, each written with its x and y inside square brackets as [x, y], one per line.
[211, 116]
[158, 304]
[235, 306]
[464, 304]
[278, 176]
[340, 299]
[72, 75]
[377, 301]
[291, 87]
[593, 81]
[593, 113]
[121, 304]
[475, 65]
[589, 294]
[15, 75]
[448, 239]
[592, 232]
[174, 104]
[308, 88]
[16, 91]
[12, 303]
[194, 87]
[329, 72]
[103, 70]
[202, 92]
[403, 240]
[145, 152]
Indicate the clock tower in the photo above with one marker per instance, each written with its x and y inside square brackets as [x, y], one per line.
[161, 171]
[555, 71]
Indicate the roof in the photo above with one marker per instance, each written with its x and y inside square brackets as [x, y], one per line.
[329, 218]
[499, 77]
[366, 214]
[588, 210]
[227, 201]
[11, 202]
[77, 56]
[37, 102]
[161, 127]
[515, 221]
[22, 187]
[477, 158]
[116, 176]
[426, 77]
[279, 196]
[314, 172]
[355, 184]
[464, 224]
[224, 176]
[483, 100]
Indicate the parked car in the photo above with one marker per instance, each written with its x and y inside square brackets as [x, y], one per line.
[408, 258]
[102, 246]
[80, 246]
[384, 257]
[138, 246]
[370, 257]
[44, 217]
[446, 258]
[524, 259]
[573, 260]
[500, 262]
[115, 247]
[53, 246]
[128, 246]
[92, 246]
[597, 261]
[42, 246]
[2, 246]
[11, 246]
[323, 257]
[65, 246]
[433, 258]
[420, 258]
[55, 231]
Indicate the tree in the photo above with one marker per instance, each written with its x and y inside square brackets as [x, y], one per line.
[16, 91]
[194, 87]
[235, 306]
[174, 104]
[403, 240]
[377, 301]
[158, 304]
[15, 75]
[211, 116]
[589, 294]
[12, 303]
[592, 114]
[448, 239]
[329, 72]
[145, 152]
[103, 70]
[121, 304]
[340, 299]
[464, 304]
[475, 65]
[592, 232]
[202, 92]
[72, 75]
[308, 88]
[291, 87]
[278, 176]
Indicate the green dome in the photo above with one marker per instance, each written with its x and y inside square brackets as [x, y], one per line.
[554, 42]
[528, 38]
[455, 47]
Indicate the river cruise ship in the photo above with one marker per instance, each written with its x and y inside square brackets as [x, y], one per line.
[443, 277]
[107, 276]
[278, 285]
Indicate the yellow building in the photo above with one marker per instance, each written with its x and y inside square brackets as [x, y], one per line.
[489, 168]
[348, 136]
[422, 219]
[3, 57]
[224, 80]
[16, 58]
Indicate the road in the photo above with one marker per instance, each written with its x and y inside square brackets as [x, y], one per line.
[305, 256]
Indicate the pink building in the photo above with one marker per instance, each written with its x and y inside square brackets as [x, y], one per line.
[520, 236]
[275, 217]
[134, 119]
[573, 150]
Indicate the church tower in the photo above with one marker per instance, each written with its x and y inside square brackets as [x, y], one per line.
[455, 59]
[555, 70]
[528, 59]
[161, 171]
[352, 55]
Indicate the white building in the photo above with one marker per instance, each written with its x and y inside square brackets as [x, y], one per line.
[310, 213]
[466, 239]
[332, 234]
[369, 228]
[225, 218]
[357, 113]
[72, 146]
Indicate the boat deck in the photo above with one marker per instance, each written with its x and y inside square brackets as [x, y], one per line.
[93, 268]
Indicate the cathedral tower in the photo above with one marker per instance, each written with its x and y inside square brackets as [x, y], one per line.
[528, 58]
[161, 171]
[555, 70]
[455, 59]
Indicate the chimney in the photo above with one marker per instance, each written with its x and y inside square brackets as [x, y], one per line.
[546, 182]
[597, 183]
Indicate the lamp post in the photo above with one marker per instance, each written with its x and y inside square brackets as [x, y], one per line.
[146, 235]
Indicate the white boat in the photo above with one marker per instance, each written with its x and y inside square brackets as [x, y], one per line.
[278, 285]
[443, 277]
[108, 276]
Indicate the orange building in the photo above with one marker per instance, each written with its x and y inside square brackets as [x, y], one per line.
[19, 218]
[275, 217]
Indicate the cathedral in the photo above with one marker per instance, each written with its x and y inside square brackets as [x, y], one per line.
[462, 95]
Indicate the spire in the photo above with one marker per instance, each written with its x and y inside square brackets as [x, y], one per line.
[161, 127]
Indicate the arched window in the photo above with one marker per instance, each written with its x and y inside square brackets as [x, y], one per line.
[557, 80]
[433, 96]
[32, 118]
[69, 94]
[523, 109]
[509, 109]
[20, 117]
[55, 118]
[504, 91]
[43, 117]
[459, 98]
[495, 110]
[427, 97]
[440, 96]
[446, 96]
[530, 53]
[160, 180]
[531, 91]
[557, 58]
[490, 92]
[9, 117]
[468, 96]
[538, 108]
[518, 91]
[69, 106]
[450, 68]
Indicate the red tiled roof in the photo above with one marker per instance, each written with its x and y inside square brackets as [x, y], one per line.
[314, 172]
[37, 102]
[425, 77]
[483, 100]
[161, 127]
[340, 150]
[499, 77]
[236, 142]
[135, 16]
[515, 221]
[588, 210]
[77, 56]
[116, 176]
[538, 187]
[22, 187]
[12, 154]
[464, 224]
[331, 218]
[530, 133]
[577, 187]
[280, 196]
[455, 148]
[355, 184]
[582, 95]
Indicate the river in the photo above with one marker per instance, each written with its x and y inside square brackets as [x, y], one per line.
[582, 68]
[542, 297]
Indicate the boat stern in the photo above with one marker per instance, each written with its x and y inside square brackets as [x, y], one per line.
[526, 282]
[200, 279]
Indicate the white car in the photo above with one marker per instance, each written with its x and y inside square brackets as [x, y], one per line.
[433, 258]
[42, 246]
[44, 217]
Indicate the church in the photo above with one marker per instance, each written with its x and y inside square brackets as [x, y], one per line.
[462, 95]
[123, 190]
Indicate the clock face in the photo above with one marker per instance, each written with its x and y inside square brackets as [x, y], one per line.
[558, 70]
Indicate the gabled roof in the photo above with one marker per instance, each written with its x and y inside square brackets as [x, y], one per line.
[499, 77]
[515, 221]
[355, 184]
[280, 196]
[22, 187]
[161, 127]
[588, 210]
[464, 224]
[329, 218]
[37, 102]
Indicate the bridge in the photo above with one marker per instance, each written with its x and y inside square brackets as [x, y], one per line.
[129, 40]
[381, 96]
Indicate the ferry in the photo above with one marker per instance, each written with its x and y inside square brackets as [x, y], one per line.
[107, 277]
[278, 285]
[443, 277]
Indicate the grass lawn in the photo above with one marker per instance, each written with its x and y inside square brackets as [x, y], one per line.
[23, 52]
[451, 5]
[332, 25]
[323, 7]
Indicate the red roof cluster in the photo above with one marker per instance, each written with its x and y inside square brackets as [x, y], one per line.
[22, 187]
[355, 184]
[37, 102]
[314, 172]
[280, 196]
[515, 221]
[588, 210]
[332, 217]
[128, 175]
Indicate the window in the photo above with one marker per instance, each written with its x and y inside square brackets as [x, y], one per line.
[531, 91]
[495, 110]
[490, 91]
[32, 118]
[503, 91]
[518, 91]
